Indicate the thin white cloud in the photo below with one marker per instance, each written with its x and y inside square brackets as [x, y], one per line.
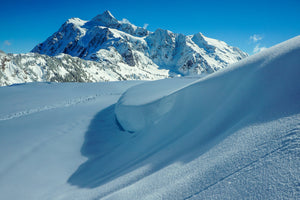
[258, 48]
[145, 26]
[125, 21]
[255, 38]
[7, 43]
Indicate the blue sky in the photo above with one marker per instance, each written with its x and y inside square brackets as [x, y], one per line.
[249, 25]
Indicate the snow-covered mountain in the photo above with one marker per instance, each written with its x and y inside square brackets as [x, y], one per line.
[34, 67]
[234, 134]
[104, 38]
[105, 49]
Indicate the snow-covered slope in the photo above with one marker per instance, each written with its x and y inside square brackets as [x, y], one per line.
[230, 135]
[33, 67]
[104, 38]
[257, 78]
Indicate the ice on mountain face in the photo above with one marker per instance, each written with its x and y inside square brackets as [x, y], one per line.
[180, 54]
[162, 45]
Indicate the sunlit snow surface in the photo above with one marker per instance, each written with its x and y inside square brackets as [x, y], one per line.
[231, 135]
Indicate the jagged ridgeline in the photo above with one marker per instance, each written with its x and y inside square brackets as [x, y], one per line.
[105, 49]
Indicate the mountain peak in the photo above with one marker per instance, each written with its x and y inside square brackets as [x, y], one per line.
[198, 38]
[105, 38]
[107, 13]
[106, 18]
[199, 34]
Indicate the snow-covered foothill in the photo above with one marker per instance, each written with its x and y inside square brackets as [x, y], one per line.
[33, 67]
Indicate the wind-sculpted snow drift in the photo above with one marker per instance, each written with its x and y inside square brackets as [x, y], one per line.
[234, 134]
[221, 136]
[258, 82]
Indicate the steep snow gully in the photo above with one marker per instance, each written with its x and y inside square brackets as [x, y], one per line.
[233, 134]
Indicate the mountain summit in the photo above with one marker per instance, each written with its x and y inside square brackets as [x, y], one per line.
[104, 38]
[106, 18]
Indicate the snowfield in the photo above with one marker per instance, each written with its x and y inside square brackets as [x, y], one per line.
[233, 134]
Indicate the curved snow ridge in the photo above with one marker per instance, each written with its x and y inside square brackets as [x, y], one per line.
[270, 77]
[151, 97]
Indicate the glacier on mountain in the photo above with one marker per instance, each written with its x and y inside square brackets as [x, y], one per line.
[105, 49]
[136, 46]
